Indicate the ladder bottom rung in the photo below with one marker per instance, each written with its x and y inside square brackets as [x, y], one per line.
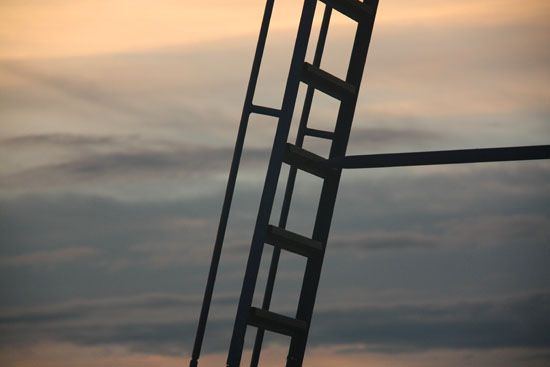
[274, 322]
[293, 242]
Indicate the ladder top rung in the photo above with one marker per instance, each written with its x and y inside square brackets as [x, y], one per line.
[308, 161]
[293, 242]
[277, 323]
[327, 83]
[353, 9]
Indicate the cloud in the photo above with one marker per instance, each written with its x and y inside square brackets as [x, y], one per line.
[79, 89]
[47, 257]
[86, 158]
[103, 224]
[391, 240]
[186, 162]
[142, 140]
[487, 324]
[80, 310]
[154, 323]
[63, 140]
[484, 324]
[385, 136]
[422, 220]
[491, 230]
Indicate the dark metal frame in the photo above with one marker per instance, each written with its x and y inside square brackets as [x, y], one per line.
[532, 152]
[248, 108]
[328, 169]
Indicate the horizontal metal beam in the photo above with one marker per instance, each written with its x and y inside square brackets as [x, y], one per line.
[442, 157]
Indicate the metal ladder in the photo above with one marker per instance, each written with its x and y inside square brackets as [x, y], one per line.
[345, 91]
[328, 169]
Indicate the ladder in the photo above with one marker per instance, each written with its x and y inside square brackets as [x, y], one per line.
[328, 169]
[313, 248]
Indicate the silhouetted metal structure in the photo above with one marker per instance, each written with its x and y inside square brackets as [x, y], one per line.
[329, 170]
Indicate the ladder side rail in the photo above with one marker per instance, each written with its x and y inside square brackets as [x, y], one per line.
[230, 188]
[285, 209]
[330, 186]
[270, 185]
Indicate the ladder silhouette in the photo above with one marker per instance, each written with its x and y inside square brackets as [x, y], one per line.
[328, 169]
[299, 159]
[313, 248]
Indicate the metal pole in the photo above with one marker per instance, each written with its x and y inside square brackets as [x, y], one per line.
[443, 157]
[199, 336]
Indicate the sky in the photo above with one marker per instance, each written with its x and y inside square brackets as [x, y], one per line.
[117, 124]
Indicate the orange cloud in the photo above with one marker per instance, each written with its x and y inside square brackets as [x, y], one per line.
[64, 354]
[59, 28]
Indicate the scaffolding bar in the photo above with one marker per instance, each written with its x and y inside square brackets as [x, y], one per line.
[443, 157]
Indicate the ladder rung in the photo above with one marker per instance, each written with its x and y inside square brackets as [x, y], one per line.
[307, 161]
[327, 83]
[319, 133]
[271, 321]
[265, 110]
[293, 242]
[354, 9]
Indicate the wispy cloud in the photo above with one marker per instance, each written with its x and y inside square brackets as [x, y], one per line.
[489, 324]
[485, 324]
[63, 140]
[478, 231]
[47, 258]
[76, 89]
[391, 240]
[113, 164]
[127, 165]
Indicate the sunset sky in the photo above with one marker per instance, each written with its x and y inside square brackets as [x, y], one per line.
[117, 124]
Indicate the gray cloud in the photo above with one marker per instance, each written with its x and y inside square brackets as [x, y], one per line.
[480, 230]
[386, 218]
[391, 240]
[185, 161]
[487, 324]
[59, 140]
[157, 323]
[79, 310]
[107, 244]
[79, 89]
[47, 257]
[446, 232]
[61, 222]
[490, 324]
[383, 136]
